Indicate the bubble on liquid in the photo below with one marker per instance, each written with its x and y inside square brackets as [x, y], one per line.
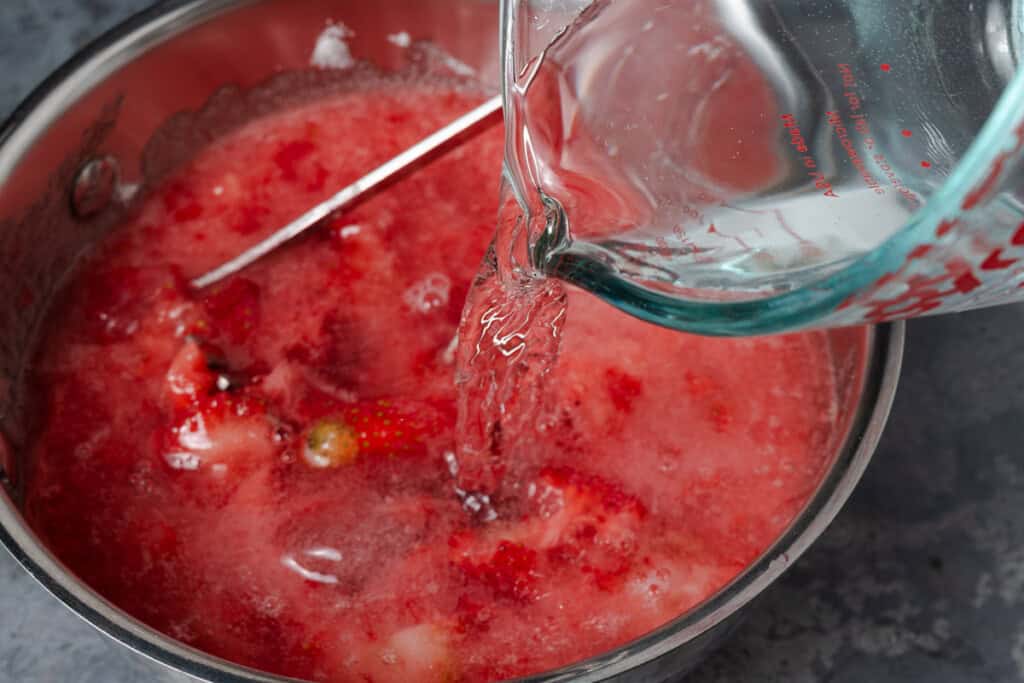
[141, 478]
[271, 605]
[183, 461]
[349, 231]
[192, 434]
[478, 505]
[448, 356]
[452, 462]
[401, 39]
[332, 50]
[668, 465]
[183, 631]
[429, 294]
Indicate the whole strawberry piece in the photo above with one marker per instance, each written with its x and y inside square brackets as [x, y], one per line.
[372, 429]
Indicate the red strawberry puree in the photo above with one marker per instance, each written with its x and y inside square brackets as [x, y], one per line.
[260, 470]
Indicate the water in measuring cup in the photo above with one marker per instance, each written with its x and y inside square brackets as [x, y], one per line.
[734, 150]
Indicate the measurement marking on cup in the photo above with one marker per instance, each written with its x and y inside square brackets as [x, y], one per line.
[835, 120]
[797, 141]
[995, 260]
[861, 124]
[990, 183]
[691, 213]
[968, 277]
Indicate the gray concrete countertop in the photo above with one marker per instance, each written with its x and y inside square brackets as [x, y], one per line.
[921, 578]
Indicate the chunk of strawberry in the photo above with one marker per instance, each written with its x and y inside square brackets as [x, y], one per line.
[422, 652]
[232, 310]
[510, 572]
[252, 218]
[180, 202]
[117, 301]
[623, 389]
[189, 378]
[344, 433]
[222, 434]
[588, 522]
[290, 154]
[567, 499]
[669, 586]
[576, 521]
[705, 389]
[473, 615]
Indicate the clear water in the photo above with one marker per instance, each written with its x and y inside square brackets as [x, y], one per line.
[729, 150]
[509, 340]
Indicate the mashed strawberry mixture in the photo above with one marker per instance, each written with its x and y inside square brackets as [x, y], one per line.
[264, 470]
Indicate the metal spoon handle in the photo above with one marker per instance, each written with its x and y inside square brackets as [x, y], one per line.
[371, 180]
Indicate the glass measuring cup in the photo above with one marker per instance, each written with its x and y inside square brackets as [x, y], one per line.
[750, 166]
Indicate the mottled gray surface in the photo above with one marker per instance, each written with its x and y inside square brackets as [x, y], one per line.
[921, 578]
